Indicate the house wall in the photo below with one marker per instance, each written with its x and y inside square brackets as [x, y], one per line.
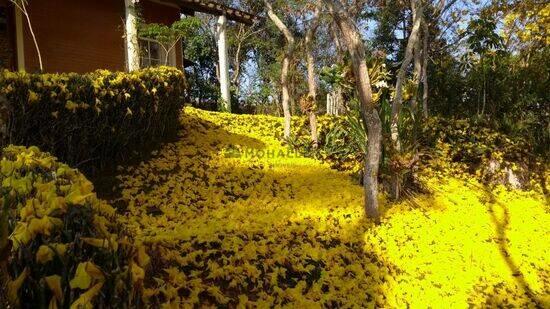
[76, 36]
[7, 52]
[83, 36]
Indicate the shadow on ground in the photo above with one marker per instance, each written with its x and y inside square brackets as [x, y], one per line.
[281, 233]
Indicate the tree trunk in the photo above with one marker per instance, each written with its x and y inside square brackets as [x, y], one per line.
[312, 85]
[417, 73]
[131, 34]
[484, 89]
[426, 57]
[413, 41]
[338, 98]
[185, 80]
[237, 59]
[289, 50]
[369, 114]
[401, 75]
[23, 8]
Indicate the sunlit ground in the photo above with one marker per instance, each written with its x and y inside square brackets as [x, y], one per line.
[223, 229]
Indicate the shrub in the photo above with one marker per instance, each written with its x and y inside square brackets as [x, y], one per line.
[492, 157]
[338, 143]
[89, 120]
[66, 248]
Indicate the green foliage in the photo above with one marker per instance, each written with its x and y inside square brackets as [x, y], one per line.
[90, 120]
[335, 75]
[482, 151]
[475, 148]
[497, 79]
[169, 36]
[341, 141]
[199, 46]
[516, 93]
[66, 244]
[483, 36]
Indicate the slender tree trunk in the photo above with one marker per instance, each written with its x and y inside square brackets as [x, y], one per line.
[289, 50]
[185, 80]
[292, 91]
[338, 98]
[236, 81]
[369, 114]
[412, 42]
[401, 75]
[242, 36]
[22, 6]
[426, 57]
[312, 85]
[484, 89]
[337, 44]
[417, 73]
[237, 59]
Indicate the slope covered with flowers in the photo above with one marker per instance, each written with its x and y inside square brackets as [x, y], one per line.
[229, 217]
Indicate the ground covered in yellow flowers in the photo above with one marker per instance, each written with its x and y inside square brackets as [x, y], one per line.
[228, 216]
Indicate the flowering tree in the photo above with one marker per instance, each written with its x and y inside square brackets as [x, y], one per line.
[21, 5]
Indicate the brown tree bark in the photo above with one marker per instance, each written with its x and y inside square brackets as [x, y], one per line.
[370, 116]
[338, 103]
[401, 75]
[412, 44]
[237, 61]
[426, 57]
[417, 73]
[289, 50]
[312, 84]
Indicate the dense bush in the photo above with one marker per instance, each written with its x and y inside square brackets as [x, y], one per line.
[337, 144]
[90, 120]
[64, 246]
[490, 156]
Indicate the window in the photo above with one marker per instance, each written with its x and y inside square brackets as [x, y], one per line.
[152, 54]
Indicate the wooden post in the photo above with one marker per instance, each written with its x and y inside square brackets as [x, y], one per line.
[223, 62]
[20, 45]
[132, 43]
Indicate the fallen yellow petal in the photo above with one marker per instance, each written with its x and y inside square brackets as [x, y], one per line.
[54, 283]
[44, 254]
[85, 300]
[15, 285]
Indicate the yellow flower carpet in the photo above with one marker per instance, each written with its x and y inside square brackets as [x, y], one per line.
[228, 216]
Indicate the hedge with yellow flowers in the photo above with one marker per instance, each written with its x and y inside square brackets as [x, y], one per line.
[89, 120]
[64, 246]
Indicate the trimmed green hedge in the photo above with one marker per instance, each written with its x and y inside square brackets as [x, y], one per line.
[92, 119]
